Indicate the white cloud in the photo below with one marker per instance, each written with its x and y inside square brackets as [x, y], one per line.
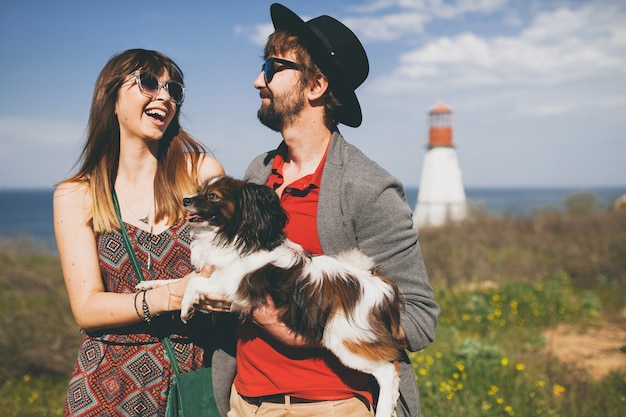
[570, 47]
[374, 21]
[388, 27]
[439, 8]
[442, 10]
[256, 35]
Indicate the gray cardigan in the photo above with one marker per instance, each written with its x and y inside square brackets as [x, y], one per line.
[362, 205]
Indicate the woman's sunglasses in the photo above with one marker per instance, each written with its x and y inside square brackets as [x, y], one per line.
[149, 85]
[270, 68]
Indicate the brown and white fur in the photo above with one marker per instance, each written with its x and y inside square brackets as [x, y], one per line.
[338, 302]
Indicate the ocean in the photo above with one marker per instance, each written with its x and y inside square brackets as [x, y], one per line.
[27, 214]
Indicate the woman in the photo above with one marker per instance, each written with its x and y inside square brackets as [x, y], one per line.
[136, 149]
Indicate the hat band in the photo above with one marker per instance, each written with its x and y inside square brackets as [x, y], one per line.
[328, 46]
[324, 39]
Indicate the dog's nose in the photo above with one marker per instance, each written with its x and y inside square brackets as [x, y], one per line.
[186, 201]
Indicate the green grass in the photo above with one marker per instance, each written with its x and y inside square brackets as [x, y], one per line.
[501, 282]
[488, 359]
[41, 396]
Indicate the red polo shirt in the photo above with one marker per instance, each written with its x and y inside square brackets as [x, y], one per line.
[299, 199]
[266, 367]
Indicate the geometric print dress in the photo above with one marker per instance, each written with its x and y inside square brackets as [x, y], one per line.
[125, 371]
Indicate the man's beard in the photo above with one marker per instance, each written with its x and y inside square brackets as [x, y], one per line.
[282, 110]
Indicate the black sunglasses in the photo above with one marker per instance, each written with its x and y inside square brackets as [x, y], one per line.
[270, 68]
[149, 85]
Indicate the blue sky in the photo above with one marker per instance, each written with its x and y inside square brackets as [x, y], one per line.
[537, 88]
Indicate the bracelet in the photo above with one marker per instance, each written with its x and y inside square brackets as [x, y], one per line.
[135, 305]
[151, 305]
[146, 312]
[169, 295]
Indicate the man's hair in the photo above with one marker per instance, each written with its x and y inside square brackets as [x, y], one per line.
[283, 43]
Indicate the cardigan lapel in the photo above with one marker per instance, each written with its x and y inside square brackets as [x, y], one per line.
[334, 234]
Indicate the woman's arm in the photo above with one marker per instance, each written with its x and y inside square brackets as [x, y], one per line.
[94, 308]
[209, 167]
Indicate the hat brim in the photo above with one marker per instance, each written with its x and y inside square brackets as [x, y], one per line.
[350, 111]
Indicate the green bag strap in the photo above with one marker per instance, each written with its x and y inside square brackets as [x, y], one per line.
[133, 260]
[129, 247]
[171, 355]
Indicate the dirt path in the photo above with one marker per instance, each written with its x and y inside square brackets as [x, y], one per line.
[596, 351]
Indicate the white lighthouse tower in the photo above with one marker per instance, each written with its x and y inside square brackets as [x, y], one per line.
[441, 195]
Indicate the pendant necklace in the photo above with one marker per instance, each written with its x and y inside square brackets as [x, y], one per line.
[146, 220]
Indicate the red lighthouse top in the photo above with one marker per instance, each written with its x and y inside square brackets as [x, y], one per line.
[440, 120]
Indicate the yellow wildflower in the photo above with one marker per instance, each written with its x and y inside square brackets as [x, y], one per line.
[558, 389]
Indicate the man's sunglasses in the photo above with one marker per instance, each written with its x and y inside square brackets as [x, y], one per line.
[270, 68]
[149, 85]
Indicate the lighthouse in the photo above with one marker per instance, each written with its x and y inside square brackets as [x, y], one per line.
[441, 196]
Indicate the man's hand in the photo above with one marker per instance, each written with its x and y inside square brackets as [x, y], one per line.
[213, 303]
[266, 317]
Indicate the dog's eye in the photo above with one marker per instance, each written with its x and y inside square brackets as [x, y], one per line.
[212, 197]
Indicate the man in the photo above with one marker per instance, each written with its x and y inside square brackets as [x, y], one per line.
[336, 199]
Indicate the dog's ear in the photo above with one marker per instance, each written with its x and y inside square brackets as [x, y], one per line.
[262, 214]
[265, 202]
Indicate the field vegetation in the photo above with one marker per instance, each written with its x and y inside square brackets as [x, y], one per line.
[508, 288]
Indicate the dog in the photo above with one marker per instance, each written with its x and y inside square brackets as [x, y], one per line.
[338, 302]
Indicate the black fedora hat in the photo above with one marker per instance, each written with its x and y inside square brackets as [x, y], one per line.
[337, 52]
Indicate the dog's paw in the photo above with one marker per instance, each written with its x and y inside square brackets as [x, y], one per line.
[186, 315]
[143, 285]
[148, 285]
[187, 307]
[191, 297]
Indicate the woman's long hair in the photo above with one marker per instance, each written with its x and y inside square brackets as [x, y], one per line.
[178, 153]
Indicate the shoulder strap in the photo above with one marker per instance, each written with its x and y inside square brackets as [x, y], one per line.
[129, 247]
[170, 355]
[133, 260]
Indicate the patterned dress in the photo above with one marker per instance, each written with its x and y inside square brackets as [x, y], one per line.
[125, 371]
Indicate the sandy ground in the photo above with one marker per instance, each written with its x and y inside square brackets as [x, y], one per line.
[594, 350]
